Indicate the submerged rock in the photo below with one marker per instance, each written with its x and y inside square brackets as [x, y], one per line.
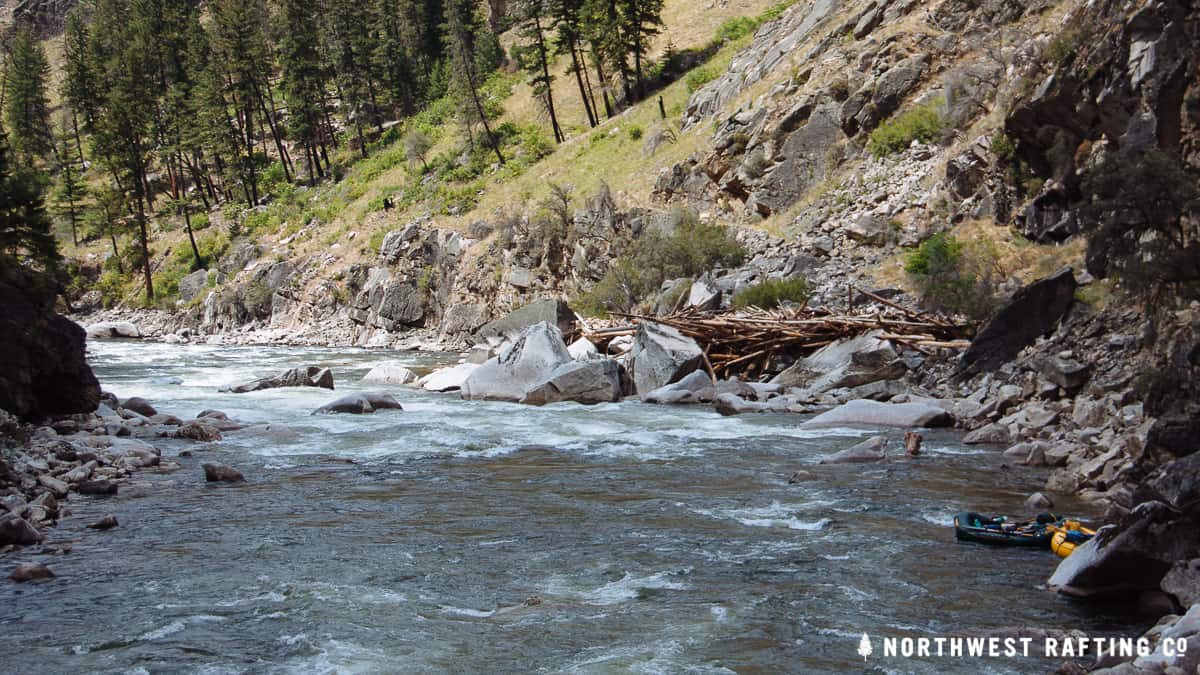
[358, 404]
[30, 572]
[222, 473]
[870, 450]
[309, 376]
[874, 413]
[108, 522]
[140, 406]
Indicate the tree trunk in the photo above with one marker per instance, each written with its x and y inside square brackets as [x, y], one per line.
[583, 93]
[537, 25]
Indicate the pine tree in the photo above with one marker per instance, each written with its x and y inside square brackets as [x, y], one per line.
[392, 55]
[26, 108]
[462, 35]
[569, 40]
[304, 81]
[641, 21]
[79, 81]
[535, 21]
[351, 52]
[25, 233]
[69, 190]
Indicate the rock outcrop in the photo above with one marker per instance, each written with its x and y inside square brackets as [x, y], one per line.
[42, 366]
[1033, 312]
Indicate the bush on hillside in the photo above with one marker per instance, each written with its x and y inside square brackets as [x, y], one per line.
[951, 278]
[923, 123]
[773, 293]
[689, 249]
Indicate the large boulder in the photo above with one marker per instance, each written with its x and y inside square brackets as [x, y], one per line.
[593, 381]
[845, 363]
[695, 387]
[43, 371]
[1034, 311]
[389, 373]
[360, 404]
[222, 473]
[1130, 557]
[554, 312]
[873, 413]
[448, 379]
[113, 329]
[662, 355]
[529, 361]
[140, 406]
[308, 376]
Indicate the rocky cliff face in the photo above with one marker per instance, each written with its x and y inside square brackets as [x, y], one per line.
[42, 367]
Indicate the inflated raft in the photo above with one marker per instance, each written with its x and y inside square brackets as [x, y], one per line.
[970, 526]
[1067, 535]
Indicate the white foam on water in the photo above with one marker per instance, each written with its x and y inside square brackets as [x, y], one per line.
[944, 518]
[178, 626]
[627, 588]
[774, 515]
[465, 611]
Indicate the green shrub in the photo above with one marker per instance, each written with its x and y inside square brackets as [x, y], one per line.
[948, 279]
[734, 29]
[923, 123]
[1003, 147]
[700, 76]
[772, 293]
[1062, 48]
[689, 249]
[775, 11]
[200, 221]
[635, 133]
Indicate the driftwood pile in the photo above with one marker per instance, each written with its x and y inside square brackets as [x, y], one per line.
[748, 342]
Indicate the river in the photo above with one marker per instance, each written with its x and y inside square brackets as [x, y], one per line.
[491, 537]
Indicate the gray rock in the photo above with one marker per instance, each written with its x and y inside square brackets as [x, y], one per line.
[582, 349]
[528, 362]
[1038, 501]
[554, 312]
[992, 433]
[16, 530]
[389, 374]
[191, 285]
[593, 381]
[874, 413]
[198, 430]
[222, 473]
[662, 355]
[33, 571]
[140, 406]
[686, 390]
[870, 450]
[58, 487]
[360, 404]
[1177, 434]
[113, 329]
[1032, 312]
[448, 379]
[732, 404]
[308, 376]
[845, 363]
[1129, 557]
[703, 296]
[1182, 582]
[1069, 374]
[97, 487]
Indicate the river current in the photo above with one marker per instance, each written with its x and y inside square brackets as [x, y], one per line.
[490, 537]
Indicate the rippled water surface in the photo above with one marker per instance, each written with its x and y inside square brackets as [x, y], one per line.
[645, 538]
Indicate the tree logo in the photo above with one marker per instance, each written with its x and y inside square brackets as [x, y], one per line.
[864, 647]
